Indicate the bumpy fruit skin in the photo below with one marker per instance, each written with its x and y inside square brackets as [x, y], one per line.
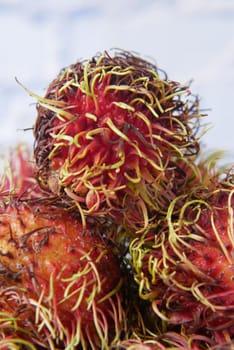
[107, 130]
[185, 267]
[65, 278]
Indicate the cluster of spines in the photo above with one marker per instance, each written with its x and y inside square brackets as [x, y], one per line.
[103, 161]
[33, 319]
[180, 291]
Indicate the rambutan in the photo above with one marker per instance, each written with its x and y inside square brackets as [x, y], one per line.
[59, 283]
[109, 127]
[185, 266]
[68, 279]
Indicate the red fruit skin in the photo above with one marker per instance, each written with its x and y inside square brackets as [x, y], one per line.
[59, 267]
[187, 269]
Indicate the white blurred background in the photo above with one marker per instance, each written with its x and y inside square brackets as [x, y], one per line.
[189, 39]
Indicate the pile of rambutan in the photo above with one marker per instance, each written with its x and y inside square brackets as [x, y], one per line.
[116, 231]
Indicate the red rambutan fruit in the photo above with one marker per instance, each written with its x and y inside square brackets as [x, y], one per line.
[67, 280]
[185, 267]
[59, 283]
[109, 127]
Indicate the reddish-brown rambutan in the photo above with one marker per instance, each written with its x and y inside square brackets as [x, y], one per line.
[109, 127]
[185, 266]
[59, 283]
